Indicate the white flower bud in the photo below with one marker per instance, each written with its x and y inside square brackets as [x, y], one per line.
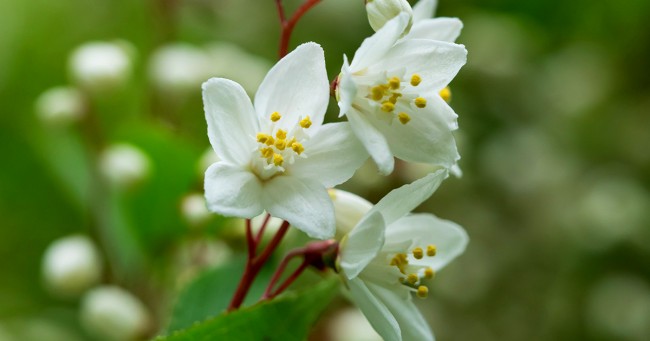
[349, 208]
[178, 68]
[194, 209]
[101, 66]
[381, 11]
[71, 265]
[351, 325]
[60, 105]
[110, 312]
[124, 165]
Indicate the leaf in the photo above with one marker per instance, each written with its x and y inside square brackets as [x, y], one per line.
[288, 317]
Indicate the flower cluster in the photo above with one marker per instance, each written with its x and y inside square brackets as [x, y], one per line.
[277, 156]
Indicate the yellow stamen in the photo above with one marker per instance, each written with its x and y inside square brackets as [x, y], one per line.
[281, 134]
[412, 278]
[429, 273]
[270, 140]
[393, 98]
[404, 117]
[423, 291]
[387, 106]
[267, 152]
[377, 93]
[418, 253]
[262, 138]
[394, 82]
[416, 79]
[446, 94]
[278, 159]
[275, 116]
[431, 250]
[305, 122]
[297, 147]
[420, 102]
[280, 144]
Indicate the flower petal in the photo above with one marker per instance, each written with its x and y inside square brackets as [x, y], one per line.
[411, 323]
[295, 87]
[449, 238]
[362, 245]
[424, 9]
[333, 155]
[232, 191]
[399, 202]
[375, 311]
[376, 46]
[232, 123]
[373, 140]
[349, 209]
[437, 62]
[302, 202]
[444, 29]
[347, 88]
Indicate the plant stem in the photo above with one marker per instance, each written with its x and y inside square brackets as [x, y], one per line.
[288, 25]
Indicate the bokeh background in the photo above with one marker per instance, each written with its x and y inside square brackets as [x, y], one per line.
[554, 113]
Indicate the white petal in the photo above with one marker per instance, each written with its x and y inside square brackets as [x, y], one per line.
[424, 9]
[426, 229]
[302, 202]
[347, 88]
[333, 155]
[444, 29]
[295, 87]
[437, 62]
[376, 312]
[411, 323]
[427, 138]
[373, 140]
[349, 209]
[362, 244]
[232, 123]
[403, 200]
[376, 46]
[232, 191]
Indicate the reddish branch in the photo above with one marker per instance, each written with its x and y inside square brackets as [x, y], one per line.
[287, 25]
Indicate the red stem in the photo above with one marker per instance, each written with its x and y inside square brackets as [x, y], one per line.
[288, 25]
[287, 282]
[280, 270]
[258, 238]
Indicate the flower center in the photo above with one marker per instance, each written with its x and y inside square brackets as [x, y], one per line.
[397, 97]
[415, 274]
[277, 148]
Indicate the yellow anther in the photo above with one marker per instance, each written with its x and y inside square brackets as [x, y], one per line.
[423, 291]
[281, 134]
[305, 122]
[416, 79]
[297, 147]
[394, 82]
[387, 106]
[404, 117]
[377, 93]
[275, 116]
[418, 253]
[393, 98]
[420, 102]
[332, 193]
[270, 140]
[446, 94]
[431, 250]
[412, 278]
[278, 159]
[267, 152]
[429, 273]
[280, 144]
[262, 138]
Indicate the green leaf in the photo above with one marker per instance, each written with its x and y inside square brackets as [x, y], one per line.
[288, 317]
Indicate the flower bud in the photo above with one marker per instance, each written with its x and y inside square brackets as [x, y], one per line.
[349, 208]
[179, 68]
[124, 165]
[381, 11]
[110, 312]
[60, 106]
[71, 265]
[101, 66]
[194, 209]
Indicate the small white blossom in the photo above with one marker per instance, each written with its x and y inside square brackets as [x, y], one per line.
[390, 254]
[60, 105]
[71, 265]
[194, 209]
[179, 68]
[101, 66]
[277, 156]
[124, 164]
[381, 11]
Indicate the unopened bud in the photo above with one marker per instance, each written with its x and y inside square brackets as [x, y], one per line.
[194, 209]
[71, 265]
[60, 105]
[349, 208]
[124, 165]
[381, 11]
[101, 66]
[110, 312]
[179, 68]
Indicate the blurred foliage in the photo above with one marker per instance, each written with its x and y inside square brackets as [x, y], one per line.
[554, 113]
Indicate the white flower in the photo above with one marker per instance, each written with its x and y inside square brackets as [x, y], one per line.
[390, 94]
[179, 68]
[71, 265]
[113, 313]
[124, 165]
[426, 27]
[277, 156]
[391, 253]
[381, 11]
[60, 105]
[101, 66]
